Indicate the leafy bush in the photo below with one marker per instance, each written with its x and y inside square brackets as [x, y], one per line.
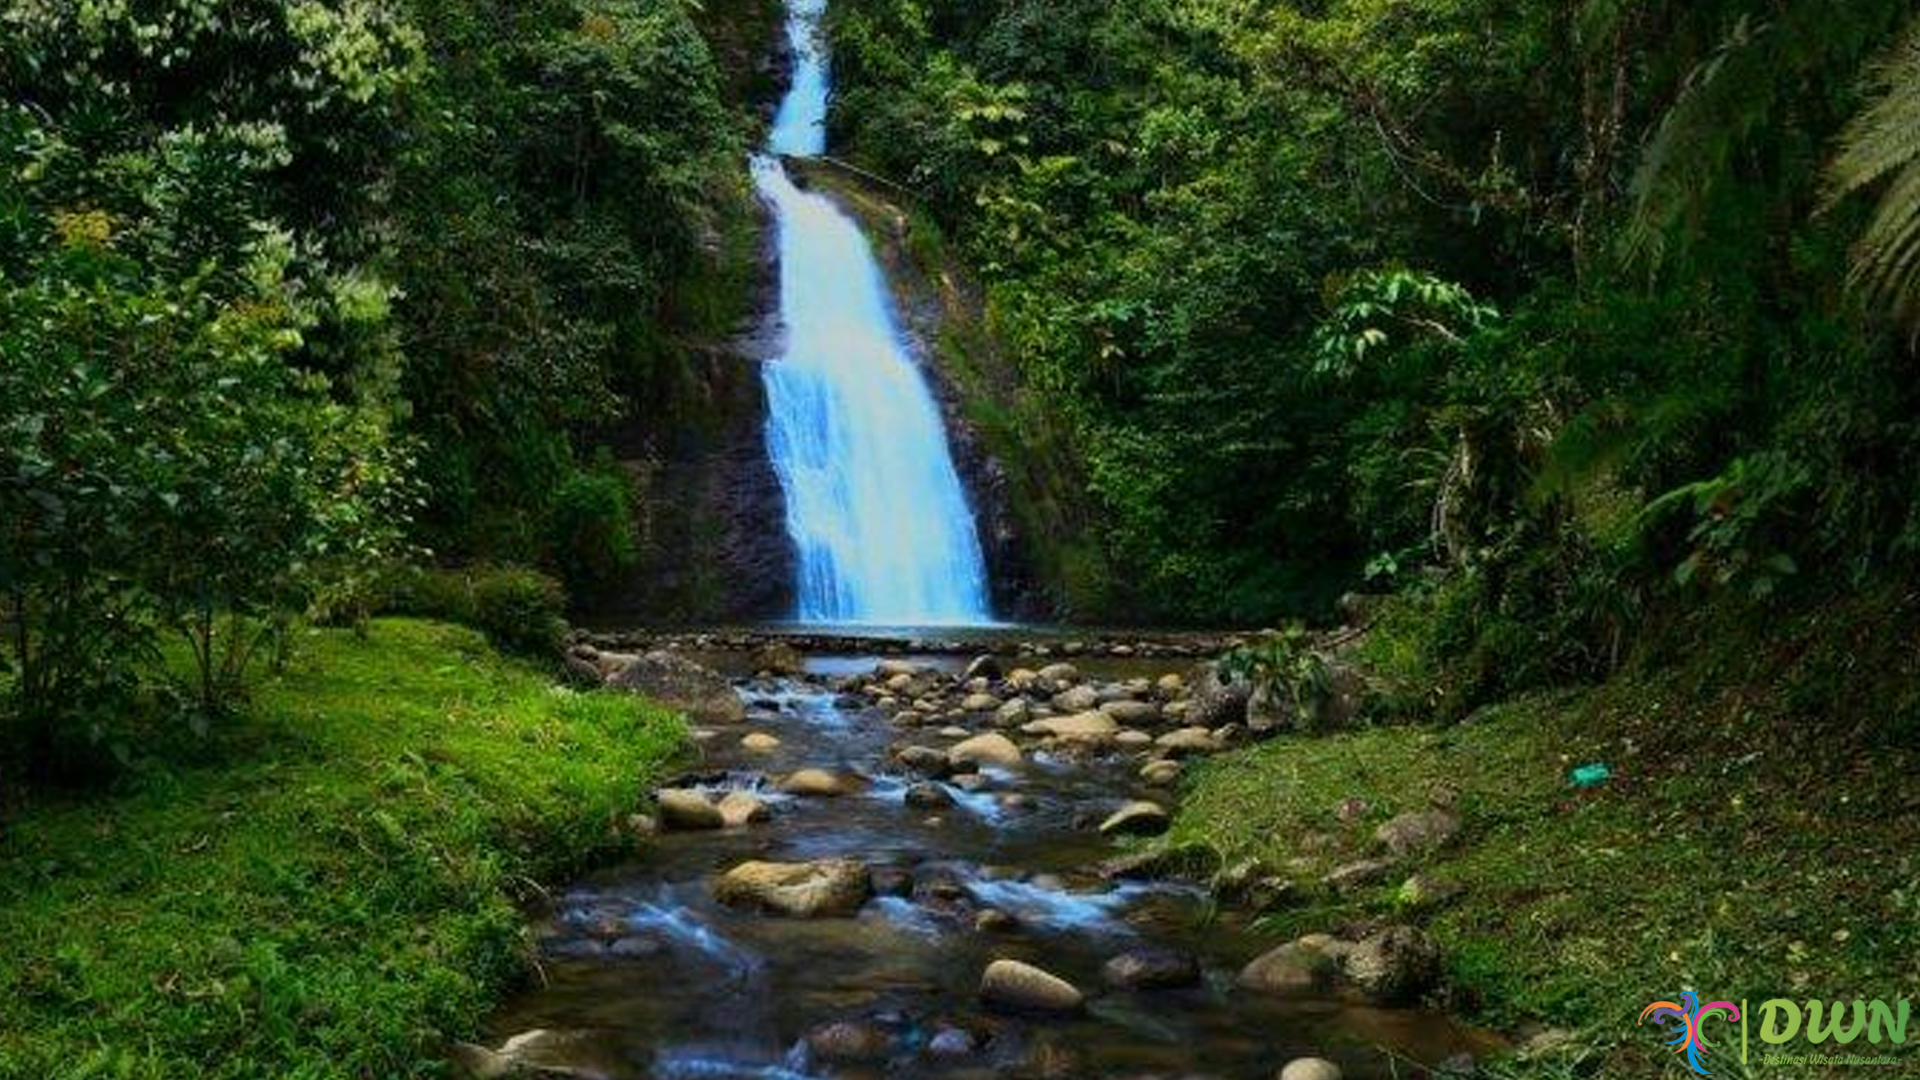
[590, 530]
[519, 609]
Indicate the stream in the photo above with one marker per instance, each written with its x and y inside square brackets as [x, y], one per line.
[645, 974]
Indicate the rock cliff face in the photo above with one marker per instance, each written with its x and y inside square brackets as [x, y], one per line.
[711, 515]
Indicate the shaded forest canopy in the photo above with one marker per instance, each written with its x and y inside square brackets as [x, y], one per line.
[1559, 314]
[1585, 305]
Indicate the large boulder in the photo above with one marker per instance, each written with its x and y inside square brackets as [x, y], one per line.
[823, 887]
[1013, 986]
[1215, 700]
[1396, 966]
[779, 658]
[1132, 713]
[677, 682]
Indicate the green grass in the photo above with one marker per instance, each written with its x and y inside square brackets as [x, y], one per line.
[334, 896]
[1758, 839]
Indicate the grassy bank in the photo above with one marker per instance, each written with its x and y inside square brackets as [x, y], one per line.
[1757, 836]
[331, 891]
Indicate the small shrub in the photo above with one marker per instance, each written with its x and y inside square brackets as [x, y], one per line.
[519, 609]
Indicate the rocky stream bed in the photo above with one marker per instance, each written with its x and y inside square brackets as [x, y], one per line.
[939, 866]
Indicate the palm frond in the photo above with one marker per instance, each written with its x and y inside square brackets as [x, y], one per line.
[1881, 148]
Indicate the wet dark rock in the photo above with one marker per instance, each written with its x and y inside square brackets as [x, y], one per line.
[1151, 969]
[1139, 818]
[634, 947]
[925, 760]
[891, 881]
[679, 683]
[848, 1042]
[928, 795]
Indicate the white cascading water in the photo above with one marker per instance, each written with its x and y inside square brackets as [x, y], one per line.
[874, 505]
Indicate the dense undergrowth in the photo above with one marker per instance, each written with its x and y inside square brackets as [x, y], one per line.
[330, 885]
[1755, 838]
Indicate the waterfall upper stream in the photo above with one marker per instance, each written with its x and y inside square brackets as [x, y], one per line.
[874, 505]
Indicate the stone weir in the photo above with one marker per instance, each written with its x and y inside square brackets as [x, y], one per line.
[1013, 641]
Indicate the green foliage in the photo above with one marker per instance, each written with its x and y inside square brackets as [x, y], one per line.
[520, 610]
[1285, 664]
[591, 529]
[1881, 148]
[339, 891]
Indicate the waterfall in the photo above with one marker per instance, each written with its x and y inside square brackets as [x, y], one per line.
[875, 508]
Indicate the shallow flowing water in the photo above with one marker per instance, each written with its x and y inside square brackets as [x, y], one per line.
[647, 976]
[874, 506]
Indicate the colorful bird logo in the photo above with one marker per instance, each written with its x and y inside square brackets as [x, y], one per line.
[1689, 1038]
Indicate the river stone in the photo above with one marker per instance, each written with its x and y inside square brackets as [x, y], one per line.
[1160, 772]
[1355, 874]
[1139, 818]
[803, 890]
[1078, 699]
[887, 669]
[928, 795]
[1310, 1068]
[847, 1042]
[1013, 713]
[738, 808]
[1086, 727]
[679, 683]
[1017, 987]
[980, 703]
[1417, 831]
[1169, 686]
[1132, 738]
[1058, 674]
[1187, 740]
[991, 748]
[984, 666]
[1396, 966]
[760, 742]
[953, 731]
[817, 782]
[682, 808]
[924, 760]
[950, 1042]
[1306, 966]
[1132, 713]
[1151, 969]
[1023, 678]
